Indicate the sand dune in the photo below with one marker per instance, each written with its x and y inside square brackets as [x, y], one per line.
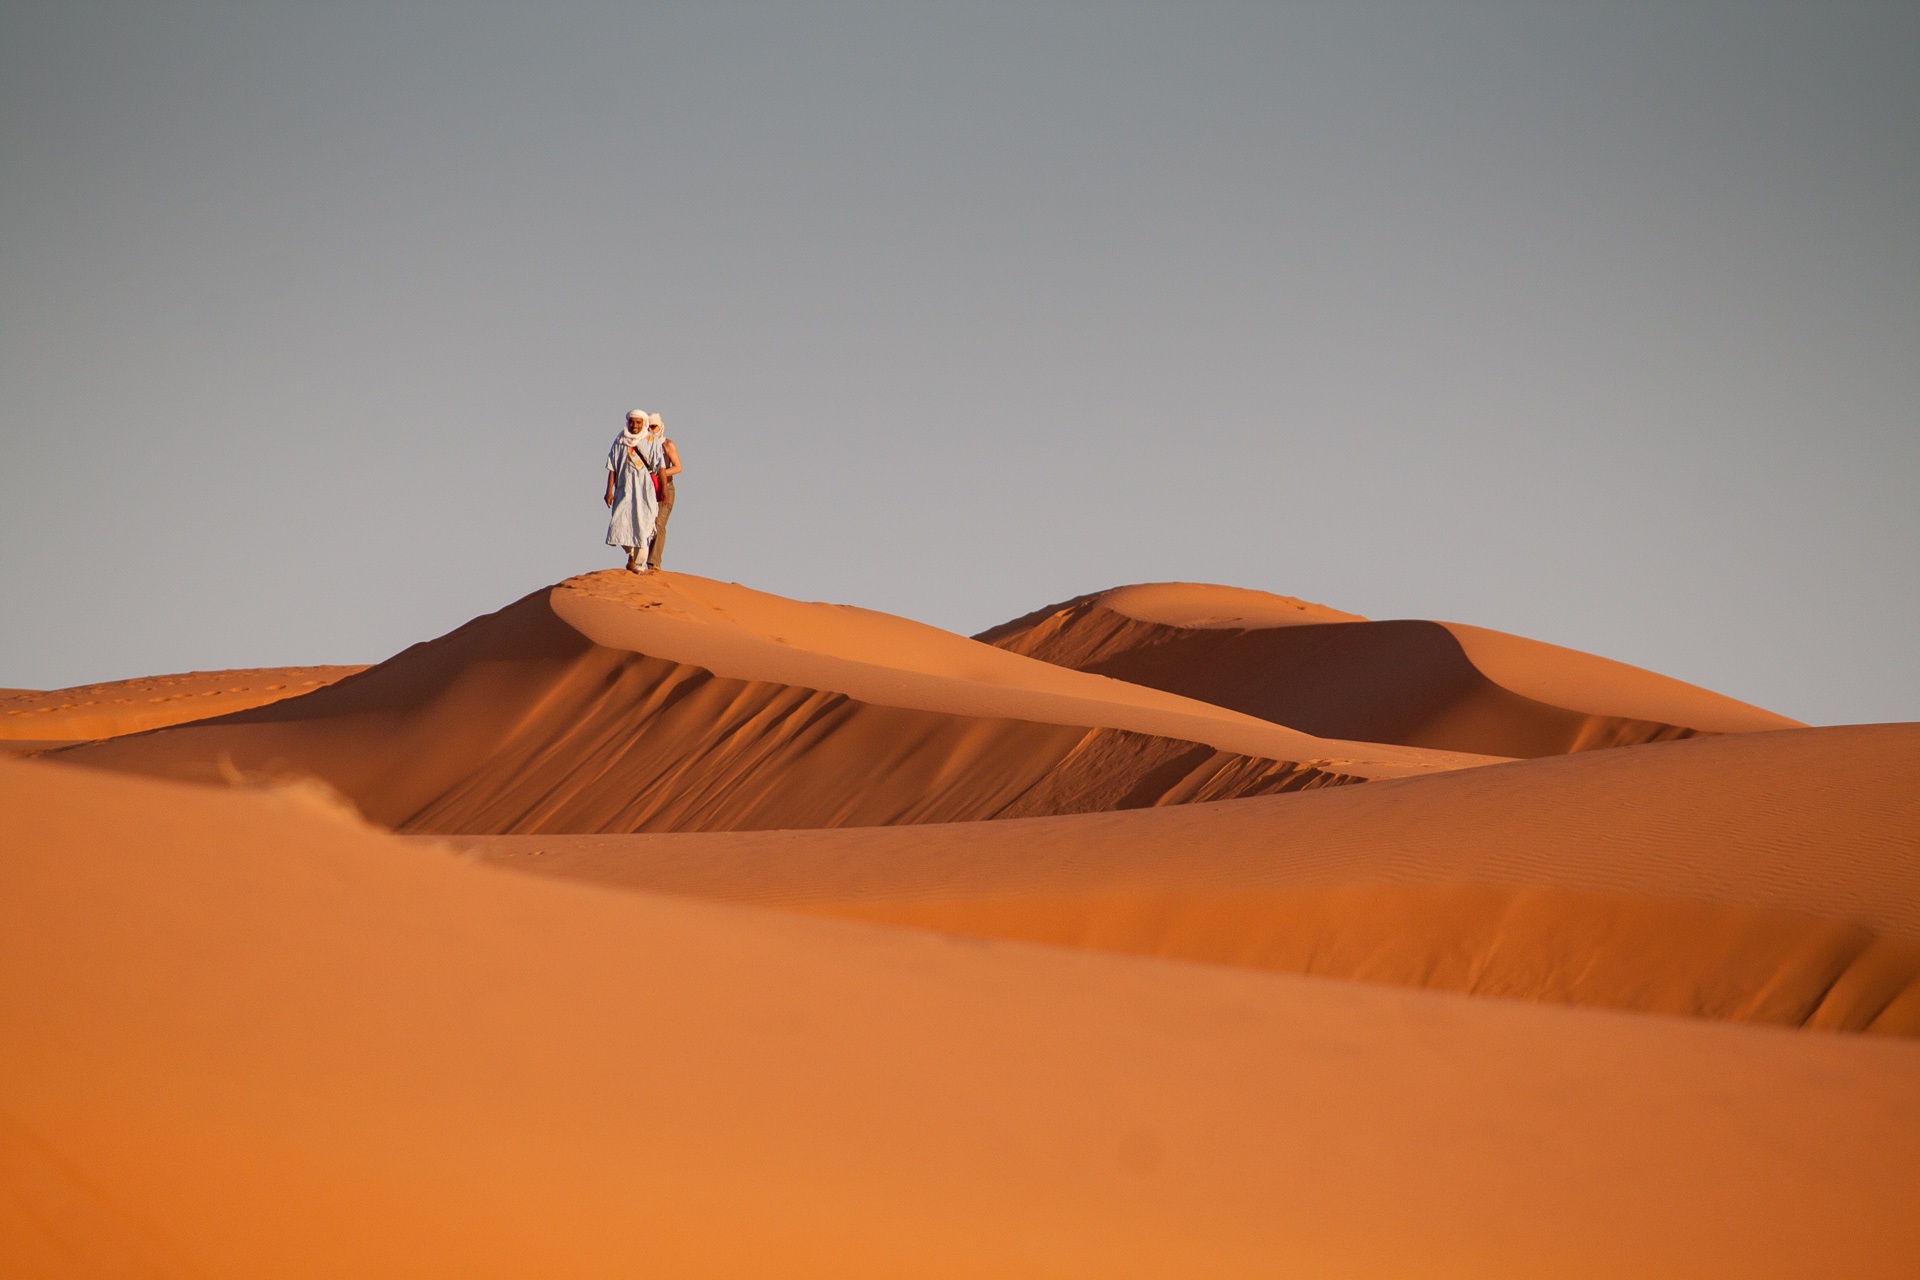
[1768, 877]
[1604, 951]
[247, 1036]
[151, 702]
[1444, 686]
[615, 703]
[1112, 1033]
[890, 661]
[1650, 880]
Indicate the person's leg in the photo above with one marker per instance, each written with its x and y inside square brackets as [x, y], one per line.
[640, 552]
[660, 527]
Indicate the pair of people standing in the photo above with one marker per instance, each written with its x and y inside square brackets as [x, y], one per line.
[640, 471]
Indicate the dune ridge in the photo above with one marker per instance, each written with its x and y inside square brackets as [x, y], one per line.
[878, 658]
[520, 722]
[1442, 686]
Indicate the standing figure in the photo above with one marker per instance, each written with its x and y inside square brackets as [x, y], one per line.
[631, 464]
[658, 430]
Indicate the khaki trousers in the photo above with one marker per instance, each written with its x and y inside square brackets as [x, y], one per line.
[660, 524]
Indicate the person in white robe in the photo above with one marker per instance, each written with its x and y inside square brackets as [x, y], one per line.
[633, 504]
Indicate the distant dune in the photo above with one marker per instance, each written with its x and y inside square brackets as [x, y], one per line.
[1443, 686]
[150, 702]
[1298, 944]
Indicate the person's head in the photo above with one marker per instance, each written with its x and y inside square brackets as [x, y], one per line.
[654, 423]
[637, 421]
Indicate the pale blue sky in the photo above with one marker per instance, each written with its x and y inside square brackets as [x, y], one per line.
[1596, 323]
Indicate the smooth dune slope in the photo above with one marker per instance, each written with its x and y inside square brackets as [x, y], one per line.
[1443, 686]
[151, 702]
[1762, 877]
[249, 1037]
[576, 710]
[878, 658]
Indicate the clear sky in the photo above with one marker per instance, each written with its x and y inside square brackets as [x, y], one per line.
[1599, 323]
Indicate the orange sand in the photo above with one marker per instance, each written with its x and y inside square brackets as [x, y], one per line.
[151, 702]
[1721, 877]
[249, 1037]
[610, 704]
[1400, 1020]
[1444, 686]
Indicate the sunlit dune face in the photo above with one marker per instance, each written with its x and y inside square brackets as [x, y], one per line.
[1437, 686]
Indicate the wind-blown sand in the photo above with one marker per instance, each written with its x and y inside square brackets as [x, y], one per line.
[1445, 686]
[1391, 1010]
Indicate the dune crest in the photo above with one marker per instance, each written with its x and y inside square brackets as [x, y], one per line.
[735, 631]
[522, 722]
[1441, 686]
[1188, 605]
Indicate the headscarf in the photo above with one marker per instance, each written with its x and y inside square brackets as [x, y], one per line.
[636, 440]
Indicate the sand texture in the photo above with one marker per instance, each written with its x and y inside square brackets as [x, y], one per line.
[1714, 877]
[591, 708]
[151, 702]
[248, 1036]
[655, 926]
[1444, 686]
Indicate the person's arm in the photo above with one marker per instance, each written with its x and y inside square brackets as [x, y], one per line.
[609, 486]
[673, 461]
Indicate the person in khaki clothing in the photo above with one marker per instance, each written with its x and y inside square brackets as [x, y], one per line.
[658, 430]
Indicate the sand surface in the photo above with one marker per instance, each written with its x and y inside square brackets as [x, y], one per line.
[1718, 877]
[613, 703]
[703, 961]
[1444, 686]
[247, 1036]
[878, 658]
[150, 702]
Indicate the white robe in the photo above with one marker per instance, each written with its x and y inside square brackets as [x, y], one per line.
[634, 503]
